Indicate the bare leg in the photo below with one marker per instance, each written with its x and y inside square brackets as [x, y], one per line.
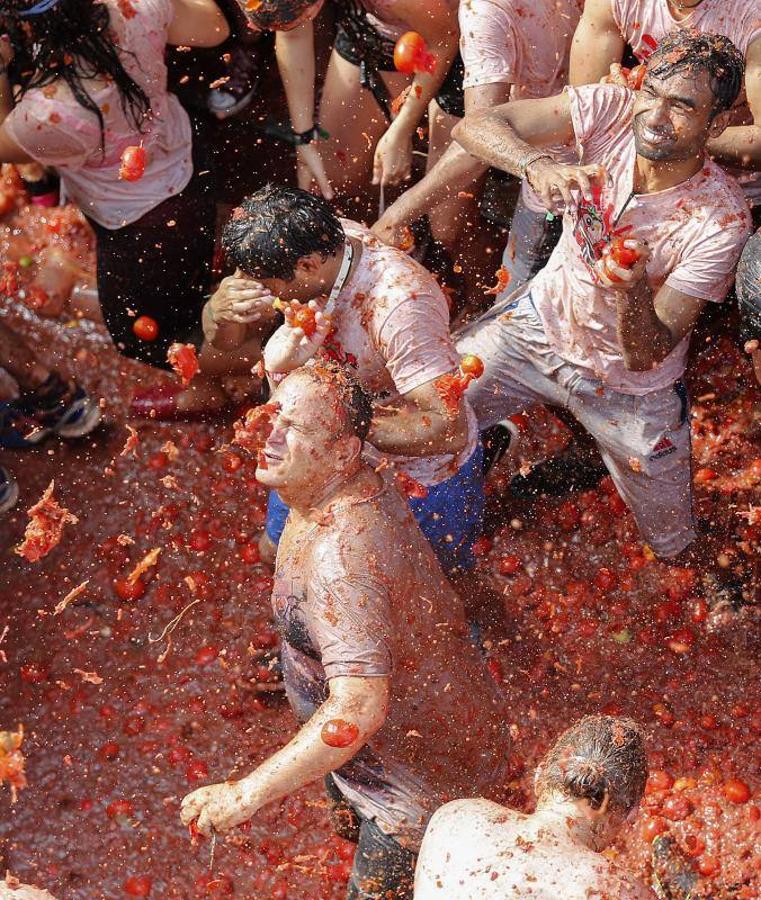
[20, 361]
[449, 218]
[355, 123]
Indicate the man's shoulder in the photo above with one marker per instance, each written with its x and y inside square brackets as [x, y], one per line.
[721, 200]
[467, 815]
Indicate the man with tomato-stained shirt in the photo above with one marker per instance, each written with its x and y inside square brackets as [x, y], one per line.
[608, 26]
[652, 231]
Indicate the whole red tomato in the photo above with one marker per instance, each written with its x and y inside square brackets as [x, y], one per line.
[736, 791]
[138, 886]
[339, 733]
[411, 54]
[133, 163]
[471, 365]
[145, 328]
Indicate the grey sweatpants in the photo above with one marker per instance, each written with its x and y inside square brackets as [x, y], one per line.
[644, 441]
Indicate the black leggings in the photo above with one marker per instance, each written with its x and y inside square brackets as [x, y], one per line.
[383, 869]
[360, 44]
[159, 266]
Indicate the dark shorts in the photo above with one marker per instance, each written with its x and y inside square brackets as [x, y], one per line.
[159, 266]
[450, 516]
[360, 44]
[382, 867]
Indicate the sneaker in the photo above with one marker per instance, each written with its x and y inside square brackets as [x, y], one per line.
[56, 407]
[559, 475]
[8, 491]
[673, 875]
[242, 80]
[500, 440]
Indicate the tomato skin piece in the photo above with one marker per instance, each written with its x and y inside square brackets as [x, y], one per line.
[623, 255]
[145, 328]
[303, 318]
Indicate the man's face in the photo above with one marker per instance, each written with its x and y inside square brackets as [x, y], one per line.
[672, 116]
[307, 283]
[305, 448]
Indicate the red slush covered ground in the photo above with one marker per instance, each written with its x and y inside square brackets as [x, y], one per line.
[597, 628]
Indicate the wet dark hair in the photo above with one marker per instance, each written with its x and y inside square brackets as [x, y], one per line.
[748, 289]
[356, 400]
[273, 14]
[688, 49]
[72, 42]
[596, 754]
[276, 227]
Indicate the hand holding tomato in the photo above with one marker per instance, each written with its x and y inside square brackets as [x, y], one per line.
[623, 263]
[298, 338]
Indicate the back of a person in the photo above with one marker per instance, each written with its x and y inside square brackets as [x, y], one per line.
[536, 38]
[447, 725]
[57, 130]
[479, 850]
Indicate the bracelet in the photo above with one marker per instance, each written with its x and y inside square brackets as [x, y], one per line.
[531, 158]
[311, 134]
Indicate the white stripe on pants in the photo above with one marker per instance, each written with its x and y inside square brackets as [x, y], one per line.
[644, 441]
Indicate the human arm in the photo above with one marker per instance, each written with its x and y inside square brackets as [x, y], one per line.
[419, 425]
[290, 347]
[597, 44]
[741, 145]
[456, 171]
[436, 21]
[510, 136]
[360, 701]
[10, 152]
[197, 23]
[294, 51]
[649, 325]
[238, 304]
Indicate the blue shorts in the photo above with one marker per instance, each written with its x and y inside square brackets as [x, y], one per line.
[451, 516]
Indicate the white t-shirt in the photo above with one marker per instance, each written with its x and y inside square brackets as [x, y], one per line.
[644, 23]
[55, 130]
[391, 325]
[695, 230]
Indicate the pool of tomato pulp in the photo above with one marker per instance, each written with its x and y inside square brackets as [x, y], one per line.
[121, 722]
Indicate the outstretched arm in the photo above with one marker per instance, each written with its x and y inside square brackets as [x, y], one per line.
[359, 703]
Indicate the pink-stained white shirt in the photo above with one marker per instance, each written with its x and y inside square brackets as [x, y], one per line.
[695, 231]
[391, 325]
[55, 130]
[644, 23]
[525, 44]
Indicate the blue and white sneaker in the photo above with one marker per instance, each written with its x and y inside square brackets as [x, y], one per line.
[57, 407]
[8, 491]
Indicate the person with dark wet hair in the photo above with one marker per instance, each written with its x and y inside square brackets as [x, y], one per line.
[587, 786]
[748, 290]
[608, 27]
[652, 232]
[382, 314]
[396, 707]
[90, 82]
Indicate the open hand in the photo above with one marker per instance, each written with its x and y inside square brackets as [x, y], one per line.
[392, 163]
[289, 348]
[554, 181]
[242, 300]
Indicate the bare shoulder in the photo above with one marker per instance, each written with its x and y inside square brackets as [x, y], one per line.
[468, 815]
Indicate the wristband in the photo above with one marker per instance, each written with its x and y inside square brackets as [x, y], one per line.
[311, 134]
[531, 158]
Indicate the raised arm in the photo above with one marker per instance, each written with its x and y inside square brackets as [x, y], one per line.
[357, 701]
[436, 21]
[597, 44]
[197, 23]
[741, 145]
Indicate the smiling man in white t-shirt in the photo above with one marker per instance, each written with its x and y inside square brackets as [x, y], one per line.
[604, 341]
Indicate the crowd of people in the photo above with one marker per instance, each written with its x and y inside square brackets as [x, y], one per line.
[630, 129]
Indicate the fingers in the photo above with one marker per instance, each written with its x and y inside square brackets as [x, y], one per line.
[191, 804]
[322, 182]
[377, 167]
[584, 183]
[204, 823]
